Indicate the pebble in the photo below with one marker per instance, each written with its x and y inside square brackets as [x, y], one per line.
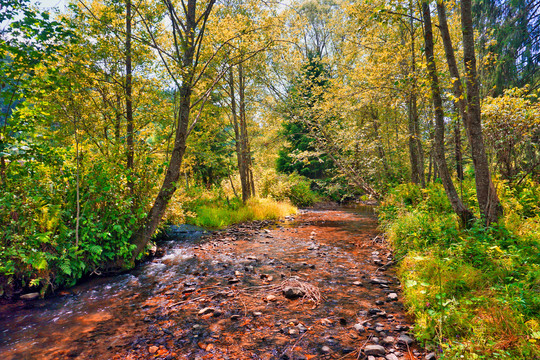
[357, 283]
[431, 356]
[375, 350]
[30, 296]
[406, 340]
[271, 298]
[359, 327]
[153, 349]
[392, 296]
[388, 340]
[257, 313]
[292, 292]
[325, 349]
[391, 357]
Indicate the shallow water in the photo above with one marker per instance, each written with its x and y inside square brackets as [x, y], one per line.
[155, 310]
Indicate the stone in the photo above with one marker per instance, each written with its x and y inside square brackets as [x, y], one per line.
[292, 292]
[431, 356]
[379, 329]
[359, 328]
[379, 302]
[235, 317]
[388, 340]
[392, 296]
[233, 280]
[293, 331]
[257, 313]
[374, 350]
[357, 283]
[237, 273]
[30, 296]
[271, 298]
[391, 357]
[206, 310]
[325, 349]
[153, 349]
[379, 281]
[372, 358]
[405, 340]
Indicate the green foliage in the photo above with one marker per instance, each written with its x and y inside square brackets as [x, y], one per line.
[294, 188]
[474, 292]
[38, 218]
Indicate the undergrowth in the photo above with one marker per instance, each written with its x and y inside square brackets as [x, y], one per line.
[216, 213]
[475, 293]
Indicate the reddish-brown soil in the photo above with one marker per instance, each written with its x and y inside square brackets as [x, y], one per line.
[221, 298]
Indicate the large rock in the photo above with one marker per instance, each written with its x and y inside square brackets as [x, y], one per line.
[292, 292]
[375, 350]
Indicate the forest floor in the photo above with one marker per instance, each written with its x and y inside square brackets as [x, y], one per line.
[316, 286]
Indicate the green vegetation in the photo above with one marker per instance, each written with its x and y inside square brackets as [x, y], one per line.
[218, 214]
[475, 292]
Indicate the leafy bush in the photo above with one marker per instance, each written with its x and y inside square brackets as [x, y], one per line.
[294, 188]
[38, 217]
[475, 292]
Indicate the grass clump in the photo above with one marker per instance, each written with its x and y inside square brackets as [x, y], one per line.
[475, 292]
[219, 214]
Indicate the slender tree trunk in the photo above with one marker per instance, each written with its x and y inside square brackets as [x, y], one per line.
[118, 119]
[129, 105]
[488, 200]
[247, 186]
[3, 177]
[457, 150]
[439, 153]
[236, 119]
[415, 144]
[379, 144]
[170, 181]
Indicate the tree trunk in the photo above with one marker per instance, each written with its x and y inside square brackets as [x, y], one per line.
[470, 108]
[168, 187]
[238, 138]
[247, 186]
[457, 150]
[439, 153]
[415, 144]
[129, 106]
[379, 144]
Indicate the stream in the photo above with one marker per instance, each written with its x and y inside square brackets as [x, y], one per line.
[318, 285]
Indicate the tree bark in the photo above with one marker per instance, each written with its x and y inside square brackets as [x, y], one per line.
[191, 40]
[457, 205]
[129, 103]
[469, 108]
[236, 120]
[415, 144]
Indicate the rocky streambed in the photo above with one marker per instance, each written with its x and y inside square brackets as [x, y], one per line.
[316, 286]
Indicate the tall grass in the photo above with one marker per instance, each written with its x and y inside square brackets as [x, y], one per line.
[219, 215]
